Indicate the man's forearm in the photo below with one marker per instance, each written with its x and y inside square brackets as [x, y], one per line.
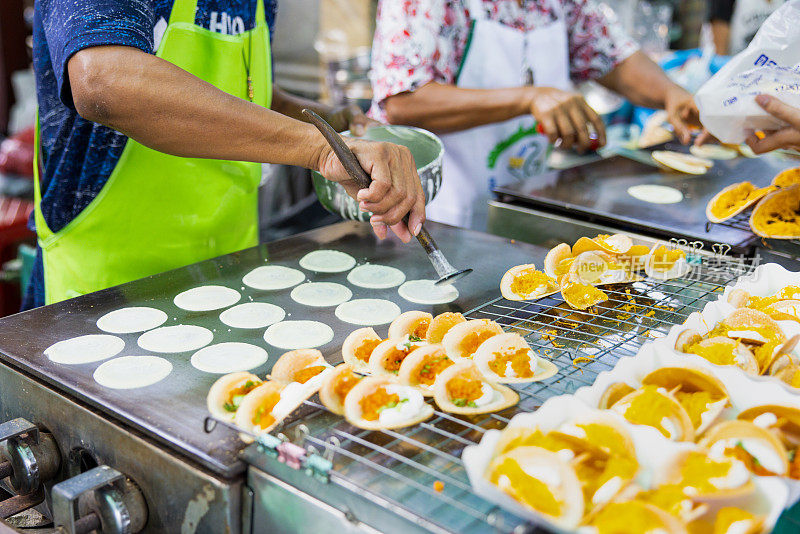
[166, 108]
[639, 79]
[447, 108]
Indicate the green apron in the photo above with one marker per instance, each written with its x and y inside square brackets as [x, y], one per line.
[158, 212]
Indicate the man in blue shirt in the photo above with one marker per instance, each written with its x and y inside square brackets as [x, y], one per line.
[113, 74]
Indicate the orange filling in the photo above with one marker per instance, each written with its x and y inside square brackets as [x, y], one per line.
[375, 402]
[364, 351]
[664, 258]
[787, 293]
[650, 408]
[780, 217]
[304, 375]
[473, 340]
[695, 403]
[396, 357]
[344, 383]
[433, 365]
[463, 391]
[513, 480]
[236, 395]
[699, 470]
[581, 296]
[749, 461]
[730, 201]
[520, 363]
[263, 415]
[420, 328]
[718, 353]
[729, 515]
[532, 281]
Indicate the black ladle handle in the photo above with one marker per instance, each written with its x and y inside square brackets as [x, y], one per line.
[356, 171]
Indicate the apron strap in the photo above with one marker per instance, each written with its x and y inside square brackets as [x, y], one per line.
[183, 11]
[261, 16]
[42, 230]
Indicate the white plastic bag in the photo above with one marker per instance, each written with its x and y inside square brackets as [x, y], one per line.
[769, 65]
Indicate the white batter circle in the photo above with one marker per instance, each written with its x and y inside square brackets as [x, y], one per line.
[84, 349]
[292, 335]
[228, 358]
[373, 276]
[655, 194]
[427, 292]
[131, 372]
[321, 294]
[177, 338]
[131, 320]
[252, 315]
[368, 312]
[273, 278]
[207, 298]
[327, 261]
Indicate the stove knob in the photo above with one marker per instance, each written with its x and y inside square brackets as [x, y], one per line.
[29, 458]
[105, 501]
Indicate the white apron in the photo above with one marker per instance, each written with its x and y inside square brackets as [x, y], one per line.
[481, 158]
[747, 18]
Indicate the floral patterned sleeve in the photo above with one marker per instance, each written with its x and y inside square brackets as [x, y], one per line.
[597, 42]
[415, 43]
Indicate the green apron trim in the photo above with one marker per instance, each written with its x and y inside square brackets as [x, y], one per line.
[466, 50]
[157, 211]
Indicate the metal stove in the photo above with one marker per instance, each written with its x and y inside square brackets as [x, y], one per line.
[151, 459]
[561, 204]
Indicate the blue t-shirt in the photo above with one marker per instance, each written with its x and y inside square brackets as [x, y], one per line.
[78, 155]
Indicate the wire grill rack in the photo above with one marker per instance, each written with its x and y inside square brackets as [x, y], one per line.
[419, 469]
[741, 221]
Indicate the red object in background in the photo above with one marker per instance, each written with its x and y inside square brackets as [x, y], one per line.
[16, 153]
[14, 214]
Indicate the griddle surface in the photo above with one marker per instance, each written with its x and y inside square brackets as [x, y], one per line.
[599, 191]
[173, 410]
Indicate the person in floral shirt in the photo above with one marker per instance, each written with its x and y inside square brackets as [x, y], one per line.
[421, 48]
[422, 42]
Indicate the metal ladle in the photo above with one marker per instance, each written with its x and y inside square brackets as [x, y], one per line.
[446, 272]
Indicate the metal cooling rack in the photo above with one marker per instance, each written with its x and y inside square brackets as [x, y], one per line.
[419, 469]
[741, 221]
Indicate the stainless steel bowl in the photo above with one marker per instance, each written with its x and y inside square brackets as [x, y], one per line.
[427, 150]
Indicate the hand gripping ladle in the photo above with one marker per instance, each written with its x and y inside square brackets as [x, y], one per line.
[446, 272]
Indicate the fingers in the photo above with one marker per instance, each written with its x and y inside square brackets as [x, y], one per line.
[674, 116]
[778, 109]
[401, 231]
[597, 123]
[785, 138]
[395, 191]
[579, 123]
[377, 191]
[550, 129]
[566, 132]
[380, 230]
[703, 138]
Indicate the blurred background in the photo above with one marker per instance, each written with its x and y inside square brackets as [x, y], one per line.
[322, 50]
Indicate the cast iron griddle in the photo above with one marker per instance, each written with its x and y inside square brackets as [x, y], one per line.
[599, 191]
[173, 410]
